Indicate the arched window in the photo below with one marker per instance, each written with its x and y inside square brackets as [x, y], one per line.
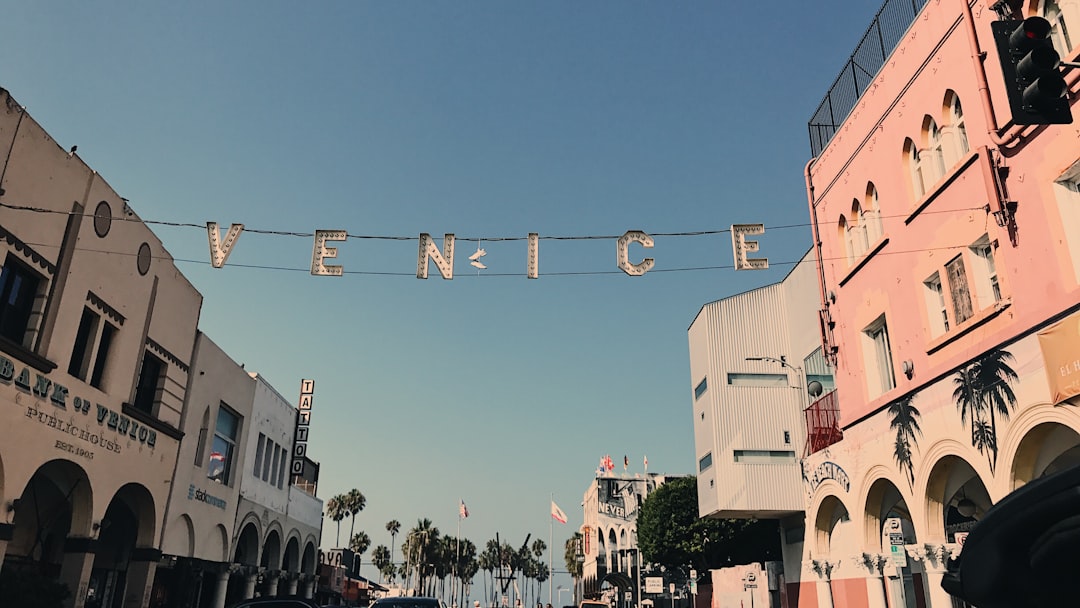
[932, 166]
[954, 133]
[858, 240]
[871, 214]
[843, 240]
[1062, 15]
[911, 164]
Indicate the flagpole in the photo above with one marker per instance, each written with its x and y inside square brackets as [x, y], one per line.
[551, 568]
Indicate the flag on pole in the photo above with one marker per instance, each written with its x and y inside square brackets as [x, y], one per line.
[557, 513]
[463, 511]
[607, 463]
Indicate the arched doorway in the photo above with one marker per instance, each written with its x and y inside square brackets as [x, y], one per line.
[51, 519]
[128, 524]
[1045, 449]
[291, 563]
[832, 533]
[889, 527]
[956, 498]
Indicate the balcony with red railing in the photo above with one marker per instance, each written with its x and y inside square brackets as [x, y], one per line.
[822, 423]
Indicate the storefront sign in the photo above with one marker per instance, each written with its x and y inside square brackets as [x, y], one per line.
[829, 470]
[1060, 344]
[201, 496]
[41, 387]
[303, 424]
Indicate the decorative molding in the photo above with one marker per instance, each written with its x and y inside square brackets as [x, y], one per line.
[109, 311]
[27, 251]
[171, 358]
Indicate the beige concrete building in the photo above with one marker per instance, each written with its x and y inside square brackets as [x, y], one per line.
[140, 465]
[97, 329]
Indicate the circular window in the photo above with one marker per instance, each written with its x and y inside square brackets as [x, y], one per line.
[144, 258]
[102, 219]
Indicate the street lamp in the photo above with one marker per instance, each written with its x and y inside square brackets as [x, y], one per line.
[803, 386]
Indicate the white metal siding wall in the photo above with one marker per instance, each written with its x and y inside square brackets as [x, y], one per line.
[758, 323]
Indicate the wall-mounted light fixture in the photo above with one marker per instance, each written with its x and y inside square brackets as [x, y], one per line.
[909, 368]
[1004, 217]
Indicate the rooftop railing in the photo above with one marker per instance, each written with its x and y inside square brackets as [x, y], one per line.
[885, 31]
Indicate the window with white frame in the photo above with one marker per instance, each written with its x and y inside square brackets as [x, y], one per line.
[223, 447]
[93, 340]
[845, 240]
[932, 165]
[879, 364]
[871, 214]
[954, 133]
[858, 241]
[19, 287]
[259, 454]
[911, 163]
[1057, 15]
[151, 380]
[959, 292]
[987, 288]
[1067, 192]
[935, 305]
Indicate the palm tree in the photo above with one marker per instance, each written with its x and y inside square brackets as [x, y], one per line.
[421, 540]
[380, 558]
[488, 561]
[359, 543]
[993, 376]
[538, 548]
[985, 440]
[966, 397]
[570, 550]
[393, 527]
[355, 502]
[905, 419]
[335, 510]
[466, 565]
[982, 389]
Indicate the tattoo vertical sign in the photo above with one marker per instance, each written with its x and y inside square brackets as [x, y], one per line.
[303, 424]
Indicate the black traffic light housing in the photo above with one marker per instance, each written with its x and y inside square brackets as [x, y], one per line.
[1031, 67]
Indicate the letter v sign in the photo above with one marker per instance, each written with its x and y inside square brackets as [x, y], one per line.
[219, 252]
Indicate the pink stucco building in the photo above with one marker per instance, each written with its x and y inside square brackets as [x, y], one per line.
[948, 247]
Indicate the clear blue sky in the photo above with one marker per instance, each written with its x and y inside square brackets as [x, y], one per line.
[485, 119]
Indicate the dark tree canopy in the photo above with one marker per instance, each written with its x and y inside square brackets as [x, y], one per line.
[671, 534]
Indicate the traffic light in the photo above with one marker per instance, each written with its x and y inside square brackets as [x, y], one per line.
[1032, 72]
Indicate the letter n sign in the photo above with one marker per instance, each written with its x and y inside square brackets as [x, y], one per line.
[303, 422]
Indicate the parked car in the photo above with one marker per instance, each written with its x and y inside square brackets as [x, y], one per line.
[408, 602]
[276, 602]
[594, 604]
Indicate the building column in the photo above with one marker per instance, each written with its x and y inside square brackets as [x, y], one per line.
[250, 577]
[817, 573]
[292, 578]
[935, 564]
[309, 586]
[75, 568]
[140, 577]
[221, 590]
[875, 587]
[272, 577]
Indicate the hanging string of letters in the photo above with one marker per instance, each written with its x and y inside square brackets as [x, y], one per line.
[444, 258]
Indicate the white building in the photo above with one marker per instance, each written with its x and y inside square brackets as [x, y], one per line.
[761, 388]
[201, 512]
[609, 534]
[278, 525]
